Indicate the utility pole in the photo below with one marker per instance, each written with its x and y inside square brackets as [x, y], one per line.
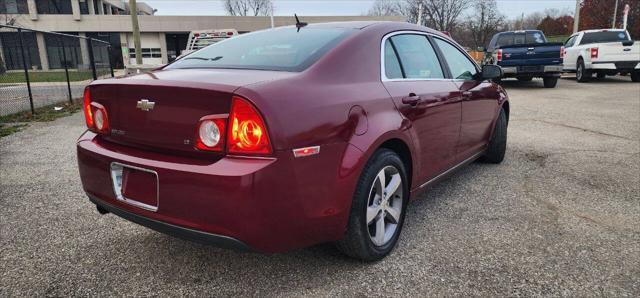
[419, 21]
[615, 16]
[576, 17]
[271, 14]
[136, 30]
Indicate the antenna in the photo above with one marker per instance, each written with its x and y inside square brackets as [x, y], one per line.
[298, 23]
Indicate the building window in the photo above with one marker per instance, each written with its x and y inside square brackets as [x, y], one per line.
[146, 53]
[14, 7]
[95, 7]
[13, 53]
[57, 57]
[84, 7]
[54, 6]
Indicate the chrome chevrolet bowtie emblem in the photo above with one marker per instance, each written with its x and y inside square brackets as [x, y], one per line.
[145, 105]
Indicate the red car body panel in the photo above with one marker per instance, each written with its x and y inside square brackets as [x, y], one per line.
[277, 202]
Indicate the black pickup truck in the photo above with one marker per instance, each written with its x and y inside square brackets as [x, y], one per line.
[526, 54]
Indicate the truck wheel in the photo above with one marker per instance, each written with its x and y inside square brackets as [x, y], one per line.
[582, 74]
[635, 76]
[378, 208]
[550, 82]
[525, 79]
[601, 75]
[498, 144]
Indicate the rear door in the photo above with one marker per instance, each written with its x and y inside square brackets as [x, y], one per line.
[479, 102]
[416, 80]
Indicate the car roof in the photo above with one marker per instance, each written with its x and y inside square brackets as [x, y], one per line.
[347, 24]
[603, 30]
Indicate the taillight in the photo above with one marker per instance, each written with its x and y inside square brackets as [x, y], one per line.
[594, 53]
[499, 55]
[95, 114]
[247, 130]
[88, 115]
[561, 52]
[210, 134]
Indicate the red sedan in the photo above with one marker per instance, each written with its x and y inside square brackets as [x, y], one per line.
[290, 137]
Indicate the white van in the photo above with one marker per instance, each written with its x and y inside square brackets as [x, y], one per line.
[202, 38]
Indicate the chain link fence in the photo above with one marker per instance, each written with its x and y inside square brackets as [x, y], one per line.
[39, 68]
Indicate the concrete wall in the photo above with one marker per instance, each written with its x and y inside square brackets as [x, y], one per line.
[122, 23]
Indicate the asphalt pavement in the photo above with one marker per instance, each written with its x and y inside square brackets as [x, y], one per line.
[559, 217]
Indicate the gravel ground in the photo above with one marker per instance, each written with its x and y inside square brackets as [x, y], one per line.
[560, 217]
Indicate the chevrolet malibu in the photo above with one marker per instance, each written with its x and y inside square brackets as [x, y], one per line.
[290, 137]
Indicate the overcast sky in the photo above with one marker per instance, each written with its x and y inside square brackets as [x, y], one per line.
[511, 8]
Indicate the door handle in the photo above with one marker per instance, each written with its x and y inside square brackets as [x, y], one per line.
[412, 99]
[466, 95]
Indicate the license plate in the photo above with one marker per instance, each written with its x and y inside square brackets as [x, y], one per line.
[135, 186]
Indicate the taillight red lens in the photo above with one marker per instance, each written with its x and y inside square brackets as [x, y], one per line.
[88, 115]
[561, 52]
[499, 55]
[594, 52]
[100, 118]
[210, 134]
[247, 130]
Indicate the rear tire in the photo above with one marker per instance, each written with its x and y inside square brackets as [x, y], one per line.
[377, 211]
[498, 144]
[601, 75]
[550, 82]
[582, 74]
[635, 76]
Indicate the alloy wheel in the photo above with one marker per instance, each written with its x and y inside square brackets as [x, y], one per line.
[384, 208]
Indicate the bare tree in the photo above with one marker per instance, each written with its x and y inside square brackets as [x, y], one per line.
[443, 14]
[483, 22]
[388, 8]
[248, 7]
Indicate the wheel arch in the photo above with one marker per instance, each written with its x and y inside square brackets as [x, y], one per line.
[402, 149]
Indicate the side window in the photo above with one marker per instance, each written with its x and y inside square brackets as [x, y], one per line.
[418, 58]
[460, 66]
[392, 67]
[570, 42]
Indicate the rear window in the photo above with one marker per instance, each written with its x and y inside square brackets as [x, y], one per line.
[605, 36]
[282, 49]
[507, 39]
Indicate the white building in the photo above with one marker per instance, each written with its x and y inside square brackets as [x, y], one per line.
[162, 37]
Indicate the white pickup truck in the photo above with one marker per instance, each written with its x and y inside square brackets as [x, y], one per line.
[603, 52]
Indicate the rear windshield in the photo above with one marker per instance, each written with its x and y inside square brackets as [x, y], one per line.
[508, 39]
[282, 49]
[605, 36]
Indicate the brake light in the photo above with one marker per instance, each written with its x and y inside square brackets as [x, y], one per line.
[88, 115]
[196, 34]
[229, 33]
[594, 53]
[499, 55]
[561, 52]
[247, 130]
[210, 133]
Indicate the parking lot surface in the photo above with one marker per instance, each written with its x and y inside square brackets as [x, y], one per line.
[560, 216]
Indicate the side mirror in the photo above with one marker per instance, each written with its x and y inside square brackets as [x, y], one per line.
[490, 71]
[627, 43]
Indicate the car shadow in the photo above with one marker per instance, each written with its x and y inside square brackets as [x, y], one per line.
[595, 80]
[515, 84]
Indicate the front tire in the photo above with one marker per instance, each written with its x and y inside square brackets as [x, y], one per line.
[378, 208]
[498, 144]
[550, 82]
[635, 76]
[582, 74]
[601, 75]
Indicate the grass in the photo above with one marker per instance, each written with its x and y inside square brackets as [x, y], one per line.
[13, 123]
[45, 76]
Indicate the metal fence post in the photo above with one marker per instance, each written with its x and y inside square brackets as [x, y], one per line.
[66, 68]
[110, 52]
[26, 71]
[92, 60]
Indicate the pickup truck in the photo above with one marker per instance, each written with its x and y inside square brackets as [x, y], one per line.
[526, 54]
[603, 52]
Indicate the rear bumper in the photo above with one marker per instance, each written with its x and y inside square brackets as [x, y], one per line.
[546, 70]
[267, 205]
[173, 230]
[610, 65]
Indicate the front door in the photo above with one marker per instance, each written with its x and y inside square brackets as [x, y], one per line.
[479, 105]
[416, 81]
